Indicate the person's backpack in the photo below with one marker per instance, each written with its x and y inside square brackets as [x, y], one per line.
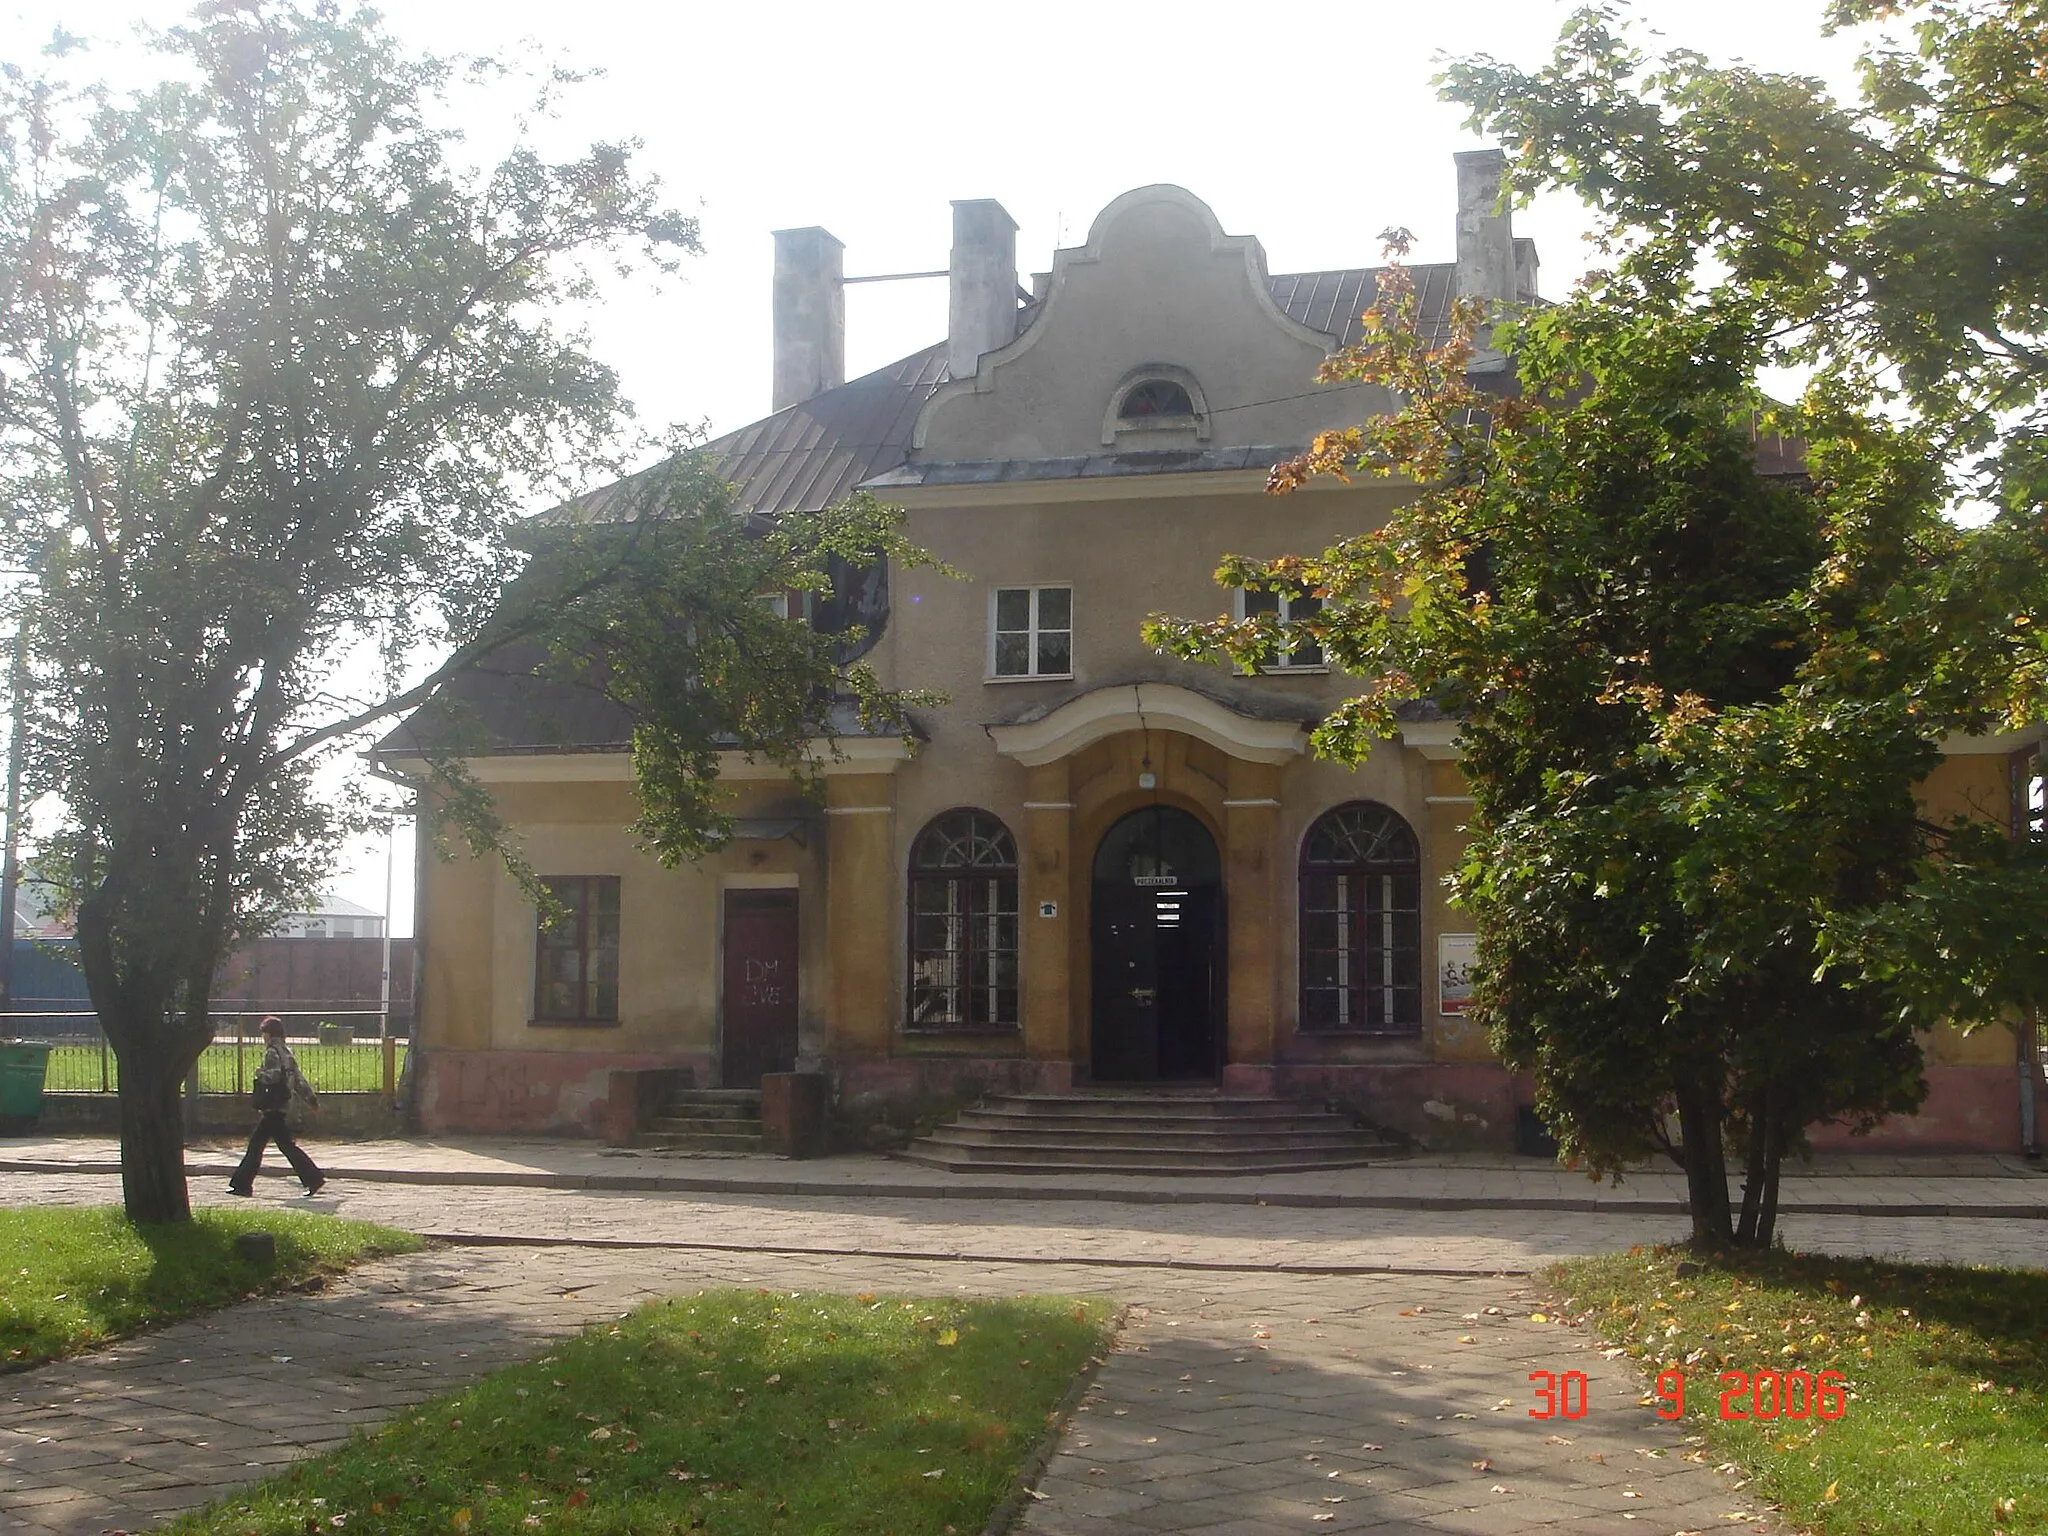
[271, 1089]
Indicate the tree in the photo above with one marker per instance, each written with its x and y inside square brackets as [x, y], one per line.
[1899, 243]
[275, 373]
[1691, 710]
[1907, 226]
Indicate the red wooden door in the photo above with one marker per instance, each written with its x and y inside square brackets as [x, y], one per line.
[759, 1006]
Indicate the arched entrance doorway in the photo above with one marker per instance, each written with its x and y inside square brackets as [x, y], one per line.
[1156, 935]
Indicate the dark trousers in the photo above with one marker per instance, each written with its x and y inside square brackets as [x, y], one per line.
[269, 1128]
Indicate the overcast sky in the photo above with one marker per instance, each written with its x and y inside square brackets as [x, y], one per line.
[1312, 126]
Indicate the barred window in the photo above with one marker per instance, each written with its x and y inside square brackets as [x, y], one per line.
[1361, 923]
[963, 924]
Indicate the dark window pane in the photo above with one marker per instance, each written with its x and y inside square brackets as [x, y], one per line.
[1013, 608]
[1257, 603]
[1307, 654]
[1055, 608]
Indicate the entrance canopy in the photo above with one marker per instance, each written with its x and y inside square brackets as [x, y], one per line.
[1148, 706]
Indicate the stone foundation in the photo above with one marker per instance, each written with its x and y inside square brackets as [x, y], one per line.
[513, 1093]
[1440, 1106]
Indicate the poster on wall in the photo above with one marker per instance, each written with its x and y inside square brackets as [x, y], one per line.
[1456, 954]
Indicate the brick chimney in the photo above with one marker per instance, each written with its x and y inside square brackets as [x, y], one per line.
[982, 276]
[1487, 255]
[810, 314]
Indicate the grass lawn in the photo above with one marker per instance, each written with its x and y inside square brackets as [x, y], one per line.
[357, 1068]
[74, 1278]
[728, 1411]
[1945, 1373]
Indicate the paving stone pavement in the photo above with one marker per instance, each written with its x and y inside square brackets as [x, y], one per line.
[1246, 1398]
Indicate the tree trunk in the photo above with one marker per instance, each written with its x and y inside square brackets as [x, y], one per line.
[1706, 1169]
[157, 1020]
[1774, 1153]
[153, 1131]
[1753, 1170]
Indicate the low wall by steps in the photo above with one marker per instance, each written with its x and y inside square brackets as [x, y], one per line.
[341, 1116]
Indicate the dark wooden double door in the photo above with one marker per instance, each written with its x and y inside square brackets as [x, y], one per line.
[758, 1001]
[1156, 935]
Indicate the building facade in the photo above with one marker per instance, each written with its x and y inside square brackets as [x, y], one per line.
[1100, 865]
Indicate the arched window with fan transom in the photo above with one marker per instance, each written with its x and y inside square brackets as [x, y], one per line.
[963, 924]
[1361, 923]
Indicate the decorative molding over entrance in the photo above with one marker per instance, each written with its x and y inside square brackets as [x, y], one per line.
[1108, 711]
[1436, 740]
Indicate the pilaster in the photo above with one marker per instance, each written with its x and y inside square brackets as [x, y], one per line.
[862, 897]
[1047, 913]
[1251, 822]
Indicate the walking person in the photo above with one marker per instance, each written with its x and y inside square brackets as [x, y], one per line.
[278, 1082]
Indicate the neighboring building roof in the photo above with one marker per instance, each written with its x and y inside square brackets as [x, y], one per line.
[337, 906]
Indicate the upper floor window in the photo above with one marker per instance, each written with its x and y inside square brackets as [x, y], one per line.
[1155, 398]
[576, 956]
[1305, 654]
[1032, 632]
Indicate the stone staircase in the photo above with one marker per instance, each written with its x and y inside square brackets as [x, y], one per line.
[705, 1120]
[1160, 1133]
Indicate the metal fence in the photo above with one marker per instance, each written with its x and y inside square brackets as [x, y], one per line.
[333, 1060]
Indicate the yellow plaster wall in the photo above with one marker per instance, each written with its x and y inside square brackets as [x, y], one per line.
[481, 926]
[1970, 784]
[862, 959]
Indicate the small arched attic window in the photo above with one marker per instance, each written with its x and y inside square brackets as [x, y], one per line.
[1155, 405]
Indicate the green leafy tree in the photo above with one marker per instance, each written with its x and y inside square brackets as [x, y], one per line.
[1898, 242]
[275, 372]
[1690, 737]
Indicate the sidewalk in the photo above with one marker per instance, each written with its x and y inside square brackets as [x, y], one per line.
[1889, 1185]
[1272, 1404]
[1283, 1358]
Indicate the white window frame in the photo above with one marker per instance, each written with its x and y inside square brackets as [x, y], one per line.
[1285, 611]
[1036, 589]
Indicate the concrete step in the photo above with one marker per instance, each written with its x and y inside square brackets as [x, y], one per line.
[1166, 1141]
[713, 1103]
[1157, 1106]
[701, 1141]
[1051, 1156]
[918, 1152]
[1005, 1121]
[704, 1125]
[1164, 1133]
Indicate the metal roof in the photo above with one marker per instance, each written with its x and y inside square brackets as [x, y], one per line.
[1333, 302]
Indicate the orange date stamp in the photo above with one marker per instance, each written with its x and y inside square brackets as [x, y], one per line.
[1744, 1395]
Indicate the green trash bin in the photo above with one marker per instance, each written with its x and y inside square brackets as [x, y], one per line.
[22, 1064]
